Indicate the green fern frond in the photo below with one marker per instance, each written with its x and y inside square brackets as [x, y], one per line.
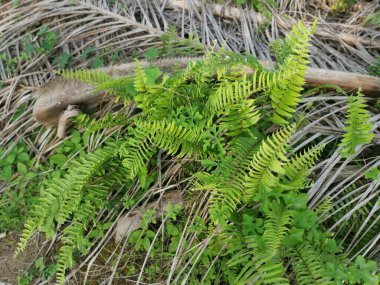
[82, 120]
[140, 80]
[30, 225]
[148, 136]
[136, 152]
[276, 228]
[120, 87]
[358, 130]
[298, 168]
[267, 162]
[240, 117]
[257, 267]
[81, 171]
[109, 121]
[286, 93]
[46, 203]
[261, 261]
[325, 207]
[308, 267]
[93, 200]
[224, 198]
[65, 261]
[156, 100]
[315, 90]
[226, 184]
[62, 196]
[105, 122]
[174, 138]
[272, 273]
[94, 76]
[229, 93]
[75, 231]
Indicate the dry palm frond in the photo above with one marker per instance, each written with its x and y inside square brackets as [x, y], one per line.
[342, 181]
[336, 45]
[133, 26]
[78, 27]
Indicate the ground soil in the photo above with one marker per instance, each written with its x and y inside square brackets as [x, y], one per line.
[11, 267]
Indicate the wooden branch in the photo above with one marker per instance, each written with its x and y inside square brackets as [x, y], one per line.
[348, 81]
[54, 97]
[336, 132]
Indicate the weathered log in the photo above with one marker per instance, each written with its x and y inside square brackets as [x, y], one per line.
[54, 97]
[346, 80]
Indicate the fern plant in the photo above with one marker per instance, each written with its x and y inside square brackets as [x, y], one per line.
[358, 129]
[208, 113]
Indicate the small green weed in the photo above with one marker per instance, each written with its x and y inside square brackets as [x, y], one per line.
[19, 174]
[374, 68]
[44, 41]
[38, 270]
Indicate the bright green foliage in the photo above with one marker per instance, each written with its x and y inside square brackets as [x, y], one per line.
[16, 169]
[358, 130]
[24, 179]
[373, 173]
[38, 269]
[229, 93]
[226, 183]
[152, 135]
[297, 168]
[286, 94]
[74, 234]
[307, 266]
[263, 261]
[208, 114]
[42, 41]
[62, 196]
[275, 228]
[268, 163]
[87, 76]
[106, 122]
[240, 118]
